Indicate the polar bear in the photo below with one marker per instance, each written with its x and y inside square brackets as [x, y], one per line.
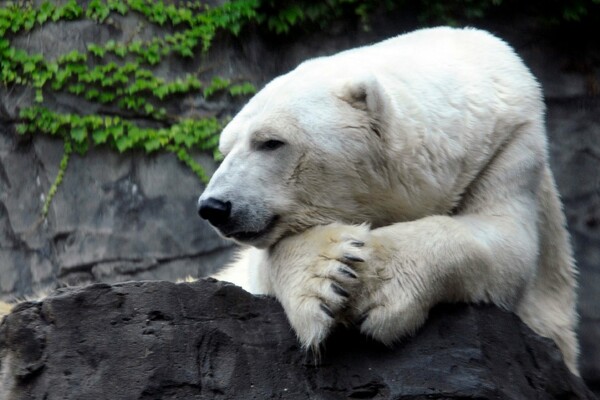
[372, 184]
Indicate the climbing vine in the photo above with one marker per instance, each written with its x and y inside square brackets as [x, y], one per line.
[120, 76]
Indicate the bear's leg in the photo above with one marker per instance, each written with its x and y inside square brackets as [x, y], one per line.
[488, 252]
[415, 265]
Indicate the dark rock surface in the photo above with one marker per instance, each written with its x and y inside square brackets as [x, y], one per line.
[574, 130]
[212, 340]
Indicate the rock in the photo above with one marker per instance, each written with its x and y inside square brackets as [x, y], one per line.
[574, 133]
[114, 218]
[212, 340]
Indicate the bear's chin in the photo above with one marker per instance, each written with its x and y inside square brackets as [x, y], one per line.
[259, 239]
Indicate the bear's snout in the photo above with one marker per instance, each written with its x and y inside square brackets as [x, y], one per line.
[244, 222]
[215, 211]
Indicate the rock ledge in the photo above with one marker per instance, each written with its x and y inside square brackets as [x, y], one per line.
[212, 340]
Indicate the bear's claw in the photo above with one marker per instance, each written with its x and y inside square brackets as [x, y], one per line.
[348, 272]
[327, 310]
[339, 290]
[361, 319]
[351, 258]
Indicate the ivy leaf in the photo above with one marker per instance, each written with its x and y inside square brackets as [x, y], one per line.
[45, 12]
[97, 10]
[188, 140]
[119, 6]
[52, 67]
[56, 14]
[110, 45]
[21, 129]
[292, 14]
[120, 50]
[77, 89]
[217, 155]
[39, 97]
[79, 134]
[152, 145]
[92, 94]
[243, 89]
[123, 143]
[135, 46]
[186, 52]
[161, 92]
[28, 67]
[117, 131]
[106, 97]
[96, 50]
[100, 136]
[81, 147]
[152, 56]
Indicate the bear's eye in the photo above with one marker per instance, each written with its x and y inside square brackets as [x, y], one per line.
[270, 145]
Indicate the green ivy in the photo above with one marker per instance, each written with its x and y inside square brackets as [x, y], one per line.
[64, 162]
[120, 75]
[119, 133]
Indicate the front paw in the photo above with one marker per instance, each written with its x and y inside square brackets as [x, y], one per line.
[393, 304]
[387, 323]
[319, 275]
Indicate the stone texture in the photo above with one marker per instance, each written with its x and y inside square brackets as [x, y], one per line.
[212, 340]
[574, 131]
[114, 218]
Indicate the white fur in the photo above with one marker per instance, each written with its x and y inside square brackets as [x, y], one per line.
[436, 140]
[38, 295]
[5, 308]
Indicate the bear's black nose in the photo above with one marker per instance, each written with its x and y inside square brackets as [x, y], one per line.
[214, 210]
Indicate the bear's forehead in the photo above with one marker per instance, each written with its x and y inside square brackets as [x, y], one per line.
[266, 125]
[301, 101]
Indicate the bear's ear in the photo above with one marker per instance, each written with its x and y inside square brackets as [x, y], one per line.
[364, 93]
[367, 95]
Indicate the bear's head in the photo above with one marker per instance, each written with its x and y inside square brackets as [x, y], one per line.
[306, 150]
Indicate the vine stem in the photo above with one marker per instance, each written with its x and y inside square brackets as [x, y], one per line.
[64, 162]
[185, 157]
